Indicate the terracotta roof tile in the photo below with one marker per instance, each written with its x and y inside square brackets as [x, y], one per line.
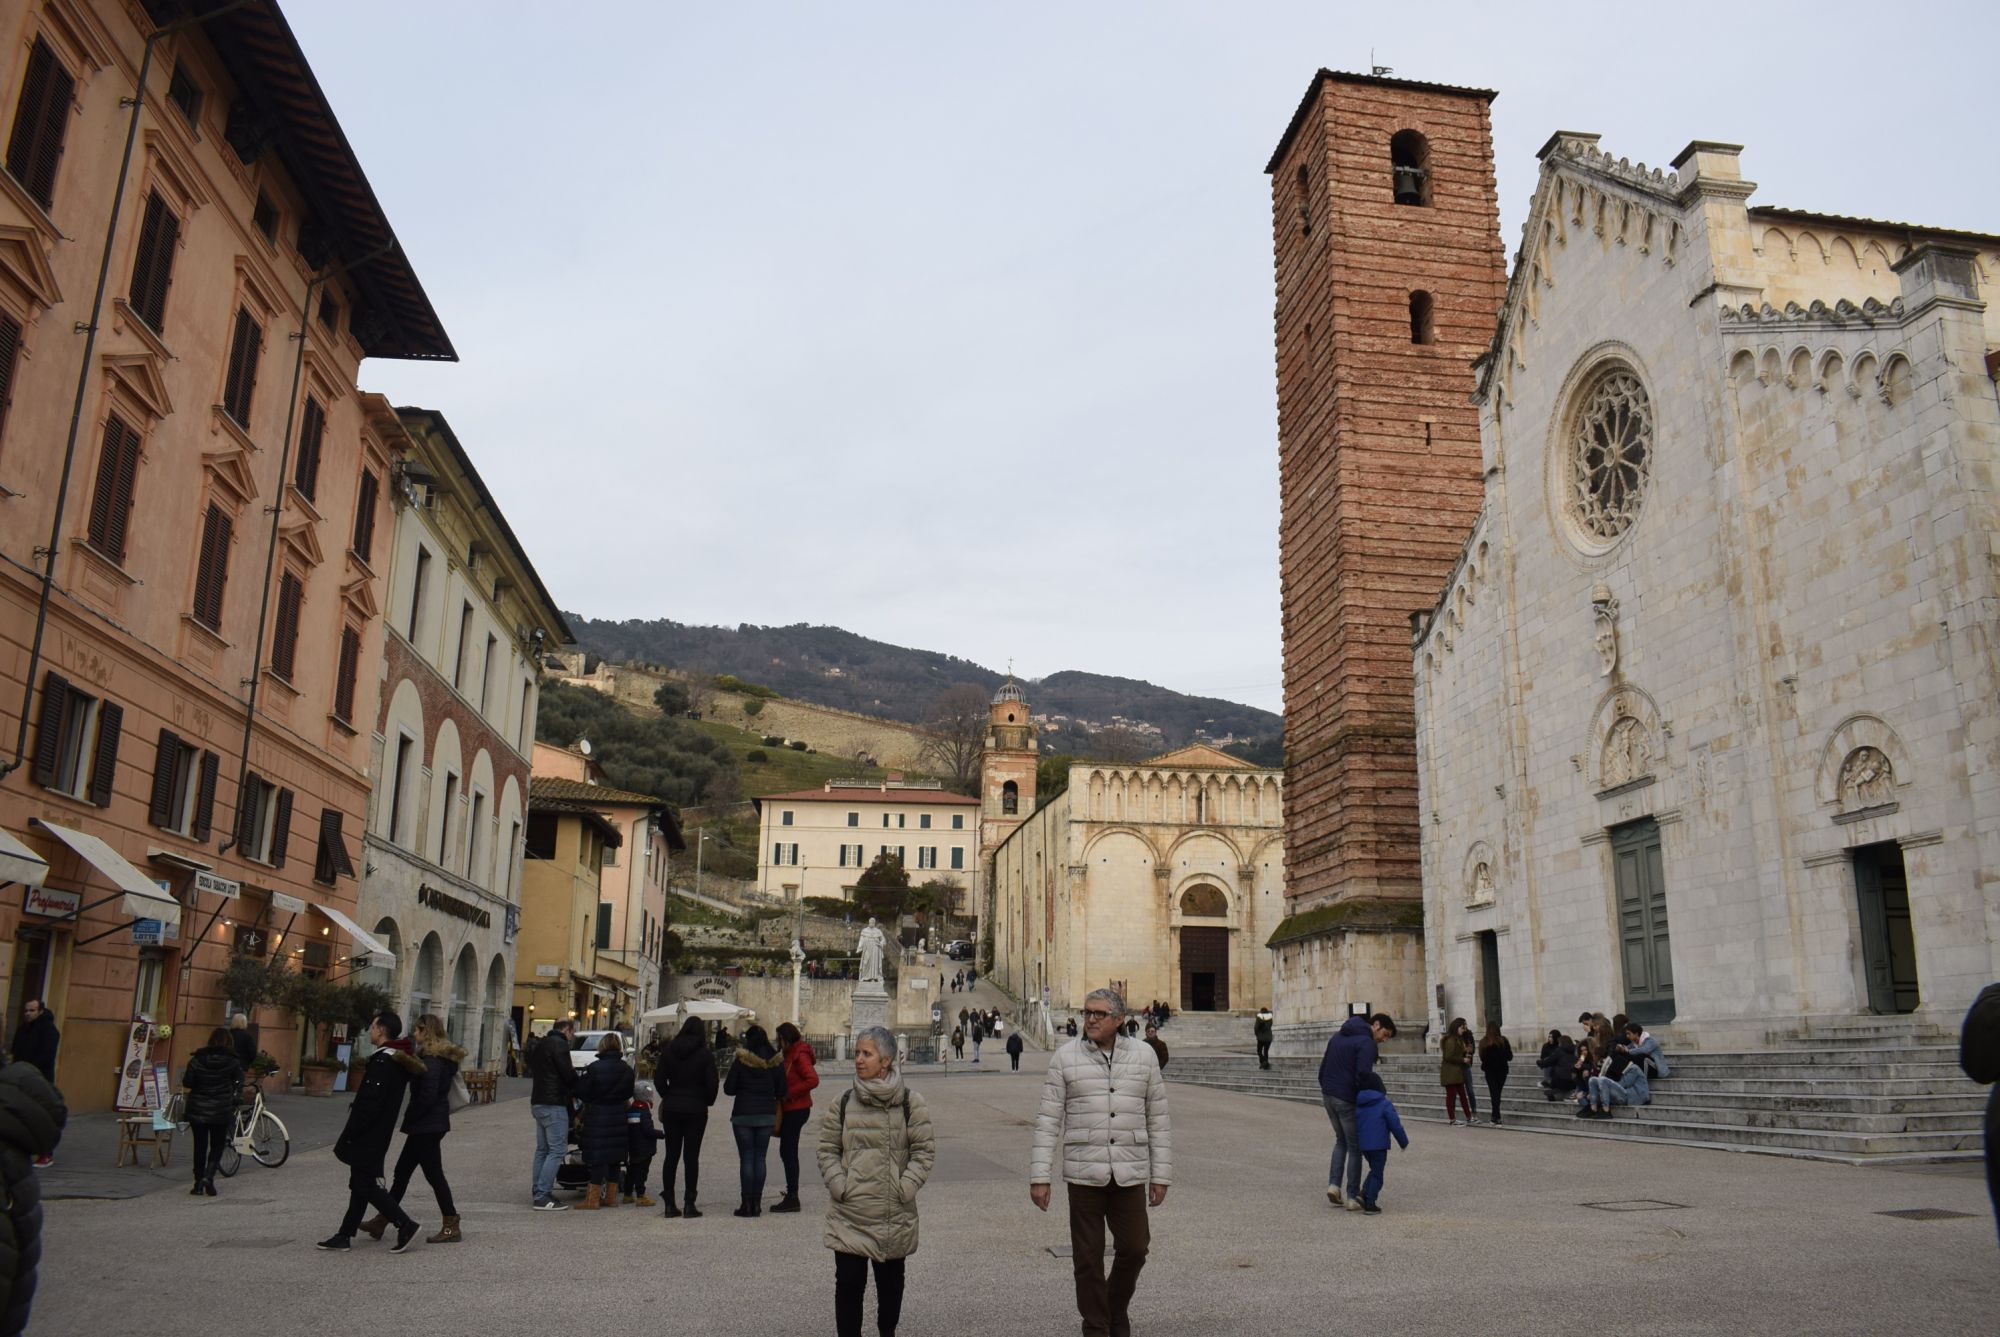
[556, 787]
[873, 794]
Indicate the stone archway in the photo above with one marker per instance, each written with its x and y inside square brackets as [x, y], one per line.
[464, 994]
[429, 976]
[1204, 949]
[492, 1042]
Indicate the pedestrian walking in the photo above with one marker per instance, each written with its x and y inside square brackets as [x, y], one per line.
[605, 1091]
[1014, 1048]
[876, 1150]
[363, 1145]
[1345, 1070]
[553, 1079]
[35, 1042]
[1156, 1044]
[1456, 1054]
[1104, 1105]
[801, 1076]
[1376, 1121]
[688, 1085]
[1261, 1029]
[1495, 1054]
[425, 1123]
[31, 1123]
[210, 1084]
[978, 1035]
[757, 1080]
[1979, 1056]
[958, 1042]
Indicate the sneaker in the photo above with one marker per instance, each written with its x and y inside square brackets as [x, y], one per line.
[551, 1205]
[44, 1162]
[1370, 1209]
[406, 1235]
[1333, 1194]
[1354, 1204]
[335, 1244]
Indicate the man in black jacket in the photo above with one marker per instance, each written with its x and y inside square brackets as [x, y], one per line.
[554, 1084]
[35, 1044]
[371, 1126]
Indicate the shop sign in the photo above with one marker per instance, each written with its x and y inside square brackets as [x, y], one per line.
[708, 986]
[227, 888]
[137, 1067]
[547, 972]
[251, 940]
[49, 901]
[147, 932]
[289, 904]
[513, 929]
[445, 903]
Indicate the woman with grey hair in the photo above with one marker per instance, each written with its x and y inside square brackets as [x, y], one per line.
[876, 1149]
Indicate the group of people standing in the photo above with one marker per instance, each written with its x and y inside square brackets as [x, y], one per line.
[979, 1026]
[1494, 1053]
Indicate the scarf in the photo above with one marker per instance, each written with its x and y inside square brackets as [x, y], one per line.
[883, 1091]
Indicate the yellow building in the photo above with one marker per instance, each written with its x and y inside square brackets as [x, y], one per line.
[816, 842]
[558, 969]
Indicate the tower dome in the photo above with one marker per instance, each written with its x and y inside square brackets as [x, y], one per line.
[1009, 691]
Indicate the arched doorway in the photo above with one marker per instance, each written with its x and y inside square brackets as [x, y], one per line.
[430, 976]
[377, 972]
[464, 995]
[493, 1038]
[1204, 950]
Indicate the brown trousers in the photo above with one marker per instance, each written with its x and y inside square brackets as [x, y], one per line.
[1103, 1302]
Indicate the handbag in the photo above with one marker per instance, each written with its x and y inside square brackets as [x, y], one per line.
[175, 1110]
[459, 1096]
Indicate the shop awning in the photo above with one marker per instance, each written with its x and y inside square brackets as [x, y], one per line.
[143, 898]
[364, 943]
[20, 864]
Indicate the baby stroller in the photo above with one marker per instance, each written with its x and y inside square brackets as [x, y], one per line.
[573, 1174]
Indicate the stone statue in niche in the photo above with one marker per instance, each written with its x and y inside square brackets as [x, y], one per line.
[1482, 883]
[1628, 753]
[1866, 778]
[1604, 609]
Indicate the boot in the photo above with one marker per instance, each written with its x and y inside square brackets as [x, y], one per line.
[748, 1207]
[644, 1200]
[593, 1198]
[688, 1209]
[788, 1203]
[611, 1198]
[375, 1225]
[448, 1233]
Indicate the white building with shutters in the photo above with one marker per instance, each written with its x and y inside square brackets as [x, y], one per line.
[466, 618]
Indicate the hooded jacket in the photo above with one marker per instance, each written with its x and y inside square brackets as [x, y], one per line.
[430, 1091]
[801, 1076]
[31, 1123]
[36, 1042]
[1349, 1063]
[1452, 1051]
[686, 1076]
[1376, 1122]
[758, 1083]
[605, 1088]
[1108, 1113]
[874, 1158]
[553, 1074]
[213, 1077]
[371, 1118]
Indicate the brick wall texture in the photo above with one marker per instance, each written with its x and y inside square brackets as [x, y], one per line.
[1378, 455]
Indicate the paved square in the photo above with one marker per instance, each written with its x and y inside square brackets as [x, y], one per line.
[1484, 1231]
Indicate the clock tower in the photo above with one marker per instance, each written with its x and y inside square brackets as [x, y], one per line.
[1007, 771]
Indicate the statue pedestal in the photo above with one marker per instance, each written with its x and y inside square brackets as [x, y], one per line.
[869, 1008]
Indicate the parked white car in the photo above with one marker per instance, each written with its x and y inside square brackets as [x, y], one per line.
[585, 1052]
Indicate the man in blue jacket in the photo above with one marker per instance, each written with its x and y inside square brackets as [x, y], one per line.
[1346, 1071]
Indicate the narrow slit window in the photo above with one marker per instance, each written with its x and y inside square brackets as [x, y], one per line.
[1305, 202]
[1423, 329]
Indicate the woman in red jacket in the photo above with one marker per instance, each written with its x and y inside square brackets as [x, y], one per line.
[800, 1079]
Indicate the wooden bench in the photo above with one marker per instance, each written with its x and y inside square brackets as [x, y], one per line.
[136, 1131]
[483, 1086]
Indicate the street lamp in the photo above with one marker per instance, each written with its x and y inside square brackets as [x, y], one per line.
[798, 962]
[701, 840]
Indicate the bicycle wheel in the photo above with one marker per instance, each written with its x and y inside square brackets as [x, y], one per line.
[270, 1143]
[231, 1160]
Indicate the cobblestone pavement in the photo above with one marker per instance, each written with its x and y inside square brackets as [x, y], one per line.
[1484, 1231]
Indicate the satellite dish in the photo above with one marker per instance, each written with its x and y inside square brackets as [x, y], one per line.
[583, 746]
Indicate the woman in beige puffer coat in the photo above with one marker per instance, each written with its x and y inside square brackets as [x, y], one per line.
[875, 1151]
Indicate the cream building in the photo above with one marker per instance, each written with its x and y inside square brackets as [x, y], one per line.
[1709, 713]
[1163, 879]
[816, 842]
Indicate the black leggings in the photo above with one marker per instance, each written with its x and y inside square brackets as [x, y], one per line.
[788, 1147]
[1494, 1081]
[423, 1151]
[682, 1146]
[850, 1285]
[209, 1141]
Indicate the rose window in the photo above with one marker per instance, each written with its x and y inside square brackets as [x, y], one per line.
[1611, 455]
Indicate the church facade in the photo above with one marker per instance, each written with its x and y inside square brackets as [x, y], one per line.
[1708, 713]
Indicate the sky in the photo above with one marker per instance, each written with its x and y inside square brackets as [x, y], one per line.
[950, 324]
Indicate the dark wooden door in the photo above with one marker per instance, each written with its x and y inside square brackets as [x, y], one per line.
[1888, 946]
[1204, 953]
[1489, 976]
[1644, 941]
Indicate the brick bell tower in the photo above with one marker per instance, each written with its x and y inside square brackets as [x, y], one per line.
[1389, 275]
[1007, 770]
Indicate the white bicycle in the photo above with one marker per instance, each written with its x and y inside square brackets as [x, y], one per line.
[259, 1132]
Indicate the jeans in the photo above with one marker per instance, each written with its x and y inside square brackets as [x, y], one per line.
[1103, 1302]
[682, 1145]
[425, 1151]
[551, 1142]
[1371, 1187]
[365, 1189]
[209, 1141]
[1604, 1091]
[1345, 1172]
[850, 1285]
[753, 1146]
[788, 1146]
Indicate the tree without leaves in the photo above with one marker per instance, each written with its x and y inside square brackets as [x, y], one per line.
[956, 723]
[1115, 742]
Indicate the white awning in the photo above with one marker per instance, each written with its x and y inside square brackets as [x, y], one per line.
[364, 943]
[143, 898]
[20, 864]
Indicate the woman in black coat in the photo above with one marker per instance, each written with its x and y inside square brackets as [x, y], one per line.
[605, 1088]
[757, 1080]
[426, 1120]
[686, 1077]
[210, 1083]
[1496, 1053]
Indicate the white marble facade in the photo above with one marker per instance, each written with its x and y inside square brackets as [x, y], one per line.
[1709, 716]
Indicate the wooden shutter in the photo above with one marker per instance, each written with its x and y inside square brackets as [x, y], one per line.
[312, 427]
[165, 761]
[212, 572]
[204, 799]
[281, 828]
[343, 683]
[153, 266]
[117, 476]
[10, 349]
[49, 733]
[333, 860]
[40, 119]
[364, 509]
[110, 722]
[241, 380]
[249, 800]
[285, 644]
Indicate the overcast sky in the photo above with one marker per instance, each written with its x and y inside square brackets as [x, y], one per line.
[950, 324]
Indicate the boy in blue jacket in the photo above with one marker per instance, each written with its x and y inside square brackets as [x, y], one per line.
[1376, 1116]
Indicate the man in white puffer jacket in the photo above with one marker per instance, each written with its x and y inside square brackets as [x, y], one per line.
[1105, 1103]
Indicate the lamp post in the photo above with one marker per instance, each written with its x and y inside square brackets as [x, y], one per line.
[701, 840]
[798, 963]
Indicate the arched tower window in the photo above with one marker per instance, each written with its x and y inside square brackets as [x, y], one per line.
[1305, 202]
[1422, 330]
[1010, 797]
[1410, 161]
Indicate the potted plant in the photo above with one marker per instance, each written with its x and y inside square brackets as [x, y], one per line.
[265, 1072]
[317, 1075]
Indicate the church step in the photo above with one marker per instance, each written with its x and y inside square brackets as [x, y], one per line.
[1780, 1090]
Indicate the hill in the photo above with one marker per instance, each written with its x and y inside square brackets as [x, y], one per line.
[829, 666]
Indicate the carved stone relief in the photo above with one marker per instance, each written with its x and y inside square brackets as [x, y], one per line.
[1866, 778]
[1628, 753]
[1604, 609]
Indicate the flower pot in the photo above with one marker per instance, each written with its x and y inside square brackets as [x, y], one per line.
[276, 1083]
[318, 1081]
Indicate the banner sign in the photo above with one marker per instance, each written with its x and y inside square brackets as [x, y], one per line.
[289, 904]
[708, 986]
[136, 1067]
[147, 932]
[227, 888]
[49, 901]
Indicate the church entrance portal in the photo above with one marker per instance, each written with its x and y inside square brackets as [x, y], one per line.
[1642, 922]
[1888, 948]
[1204, 969]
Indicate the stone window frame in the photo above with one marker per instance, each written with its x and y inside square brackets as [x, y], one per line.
[1586, 377]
